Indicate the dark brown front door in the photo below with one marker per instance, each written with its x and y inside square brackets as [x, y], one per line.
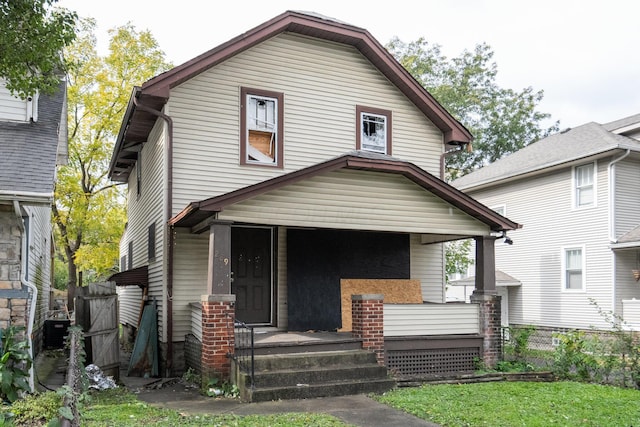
[251, 267]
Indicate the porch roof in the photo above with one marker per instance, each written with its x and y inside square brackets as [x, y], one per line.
[196, 212]
[631, 239]
[136, 276]
[502, 279]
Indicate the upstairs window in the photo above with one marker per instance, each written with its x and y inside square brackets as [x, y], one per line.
[261, 141]
[573, 267]
[584, 186]
[373, 131]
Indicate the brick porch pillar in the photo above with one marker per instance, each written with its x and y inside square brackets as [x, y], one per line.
[490, 326]
[367, 322]
[218, 338]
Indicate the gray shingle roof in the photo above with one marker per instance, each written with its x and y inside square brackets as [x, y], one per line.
[28, 150]
[580, 142]
[618, 124]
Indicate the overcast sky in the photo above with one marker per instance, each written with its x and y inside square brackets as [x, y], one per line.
[583, 54]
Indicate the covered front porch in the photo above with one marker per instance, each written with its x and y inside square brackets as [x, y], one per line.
[279, 255]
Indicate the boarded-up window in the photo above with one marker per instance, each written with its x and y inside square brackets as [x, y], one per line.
[261, 123]
[151, 243]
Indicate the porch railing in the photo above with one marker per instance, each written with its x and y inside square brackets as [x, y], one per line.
[244, 349]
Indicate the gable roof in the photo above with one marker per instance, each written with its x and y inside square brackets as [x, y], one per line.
[29, 151]
[154, 93]
[584, 141]
[196, 212]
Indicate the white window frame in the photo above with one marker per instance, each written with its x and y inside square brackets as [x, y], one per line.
[502, 207]
[269, 122]
[575, 189]
[563, 272]
[367, 145]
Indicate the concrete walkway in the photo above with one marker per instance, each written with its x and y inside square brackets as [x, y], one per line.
[357, 410]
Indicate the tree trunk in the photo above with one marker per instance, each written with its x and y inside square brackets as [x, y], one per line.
[72, 270]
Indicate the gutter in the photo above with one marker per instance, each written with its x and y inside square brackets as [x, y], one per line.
[27, 196]
[169, 228]
[34, 290]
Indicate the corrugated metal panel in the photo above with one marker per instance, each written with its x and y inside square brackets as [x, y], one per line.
[427, 265]
[322, 83]
[627, 199]
[11, 108]
[129, 300]
[430, 319]
[191, 254]
[282, 316]
[344, 200]
[543, 206]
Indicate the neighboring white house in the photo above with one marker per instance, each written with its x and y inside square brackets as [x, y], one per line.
[578, 195]
[33, 141]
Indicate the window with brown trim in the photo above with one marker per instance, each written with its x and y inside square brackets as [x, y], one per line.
[261, 124]
[373, 130]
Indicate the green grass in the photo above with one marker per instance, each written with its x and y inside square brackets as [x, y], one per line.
[510, 404]
[120, 408]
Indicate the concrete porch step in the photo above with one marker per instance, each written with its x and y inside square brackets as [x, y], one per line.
[336, 388]
[314, 374]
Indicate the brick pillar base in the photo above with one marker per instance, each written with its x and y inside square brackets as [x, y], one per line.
[218, 339]
[490, 326]
[367, 322]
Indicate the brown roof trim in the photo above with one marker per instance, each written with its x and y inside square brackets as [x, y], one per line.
[159, 87]
[136, 276]
[196, 211]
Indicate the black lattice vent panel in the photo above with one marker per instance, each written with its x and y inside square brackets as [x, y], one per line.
[432, 362]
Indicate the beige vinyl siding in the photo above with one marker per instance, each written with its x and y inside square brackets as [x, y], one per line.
[627, 195]
[191, 255]
[144, 210]
[430, 319]
[356, 200]
[322, 83]
[282, 320]
[427, 265]
[196, 320]
[543, 205]
[11, 108]
[129, 299]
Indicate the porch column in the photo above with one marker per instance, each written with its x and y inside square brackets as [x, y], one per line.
[367, 322]
[218, 339]
[219, 274]
[485, 265]
[488, 301]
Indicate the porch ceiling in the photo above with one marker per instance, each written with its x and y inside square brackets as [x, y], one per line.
[196, 214]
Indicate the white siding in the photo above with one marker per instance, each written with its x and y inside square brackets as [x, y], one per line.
[143, 210]
[11, 108]
[196, 320]
[626, 286]
[39, 258]
[356, 200]
[430, 319]
[427, 265]
[129, 299]
[543, 206]
[322, 83]
[627, 195]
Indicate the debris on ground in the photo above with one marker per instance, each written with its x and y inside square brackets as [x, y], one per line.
[97, 379]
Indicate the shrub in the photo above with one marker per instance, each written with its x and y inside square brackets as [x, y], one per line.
[15, 362]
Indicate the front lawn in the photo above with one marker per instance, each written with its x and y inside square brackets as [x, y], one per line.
[510, 404]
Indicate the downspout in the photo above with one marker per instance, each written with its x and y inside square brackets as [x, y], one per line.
[447, 153]
[170, 237]
[612, 221]
[34, 290]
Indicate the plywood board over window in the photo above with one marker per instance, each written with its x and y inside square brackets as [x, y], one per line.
[395, 291]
